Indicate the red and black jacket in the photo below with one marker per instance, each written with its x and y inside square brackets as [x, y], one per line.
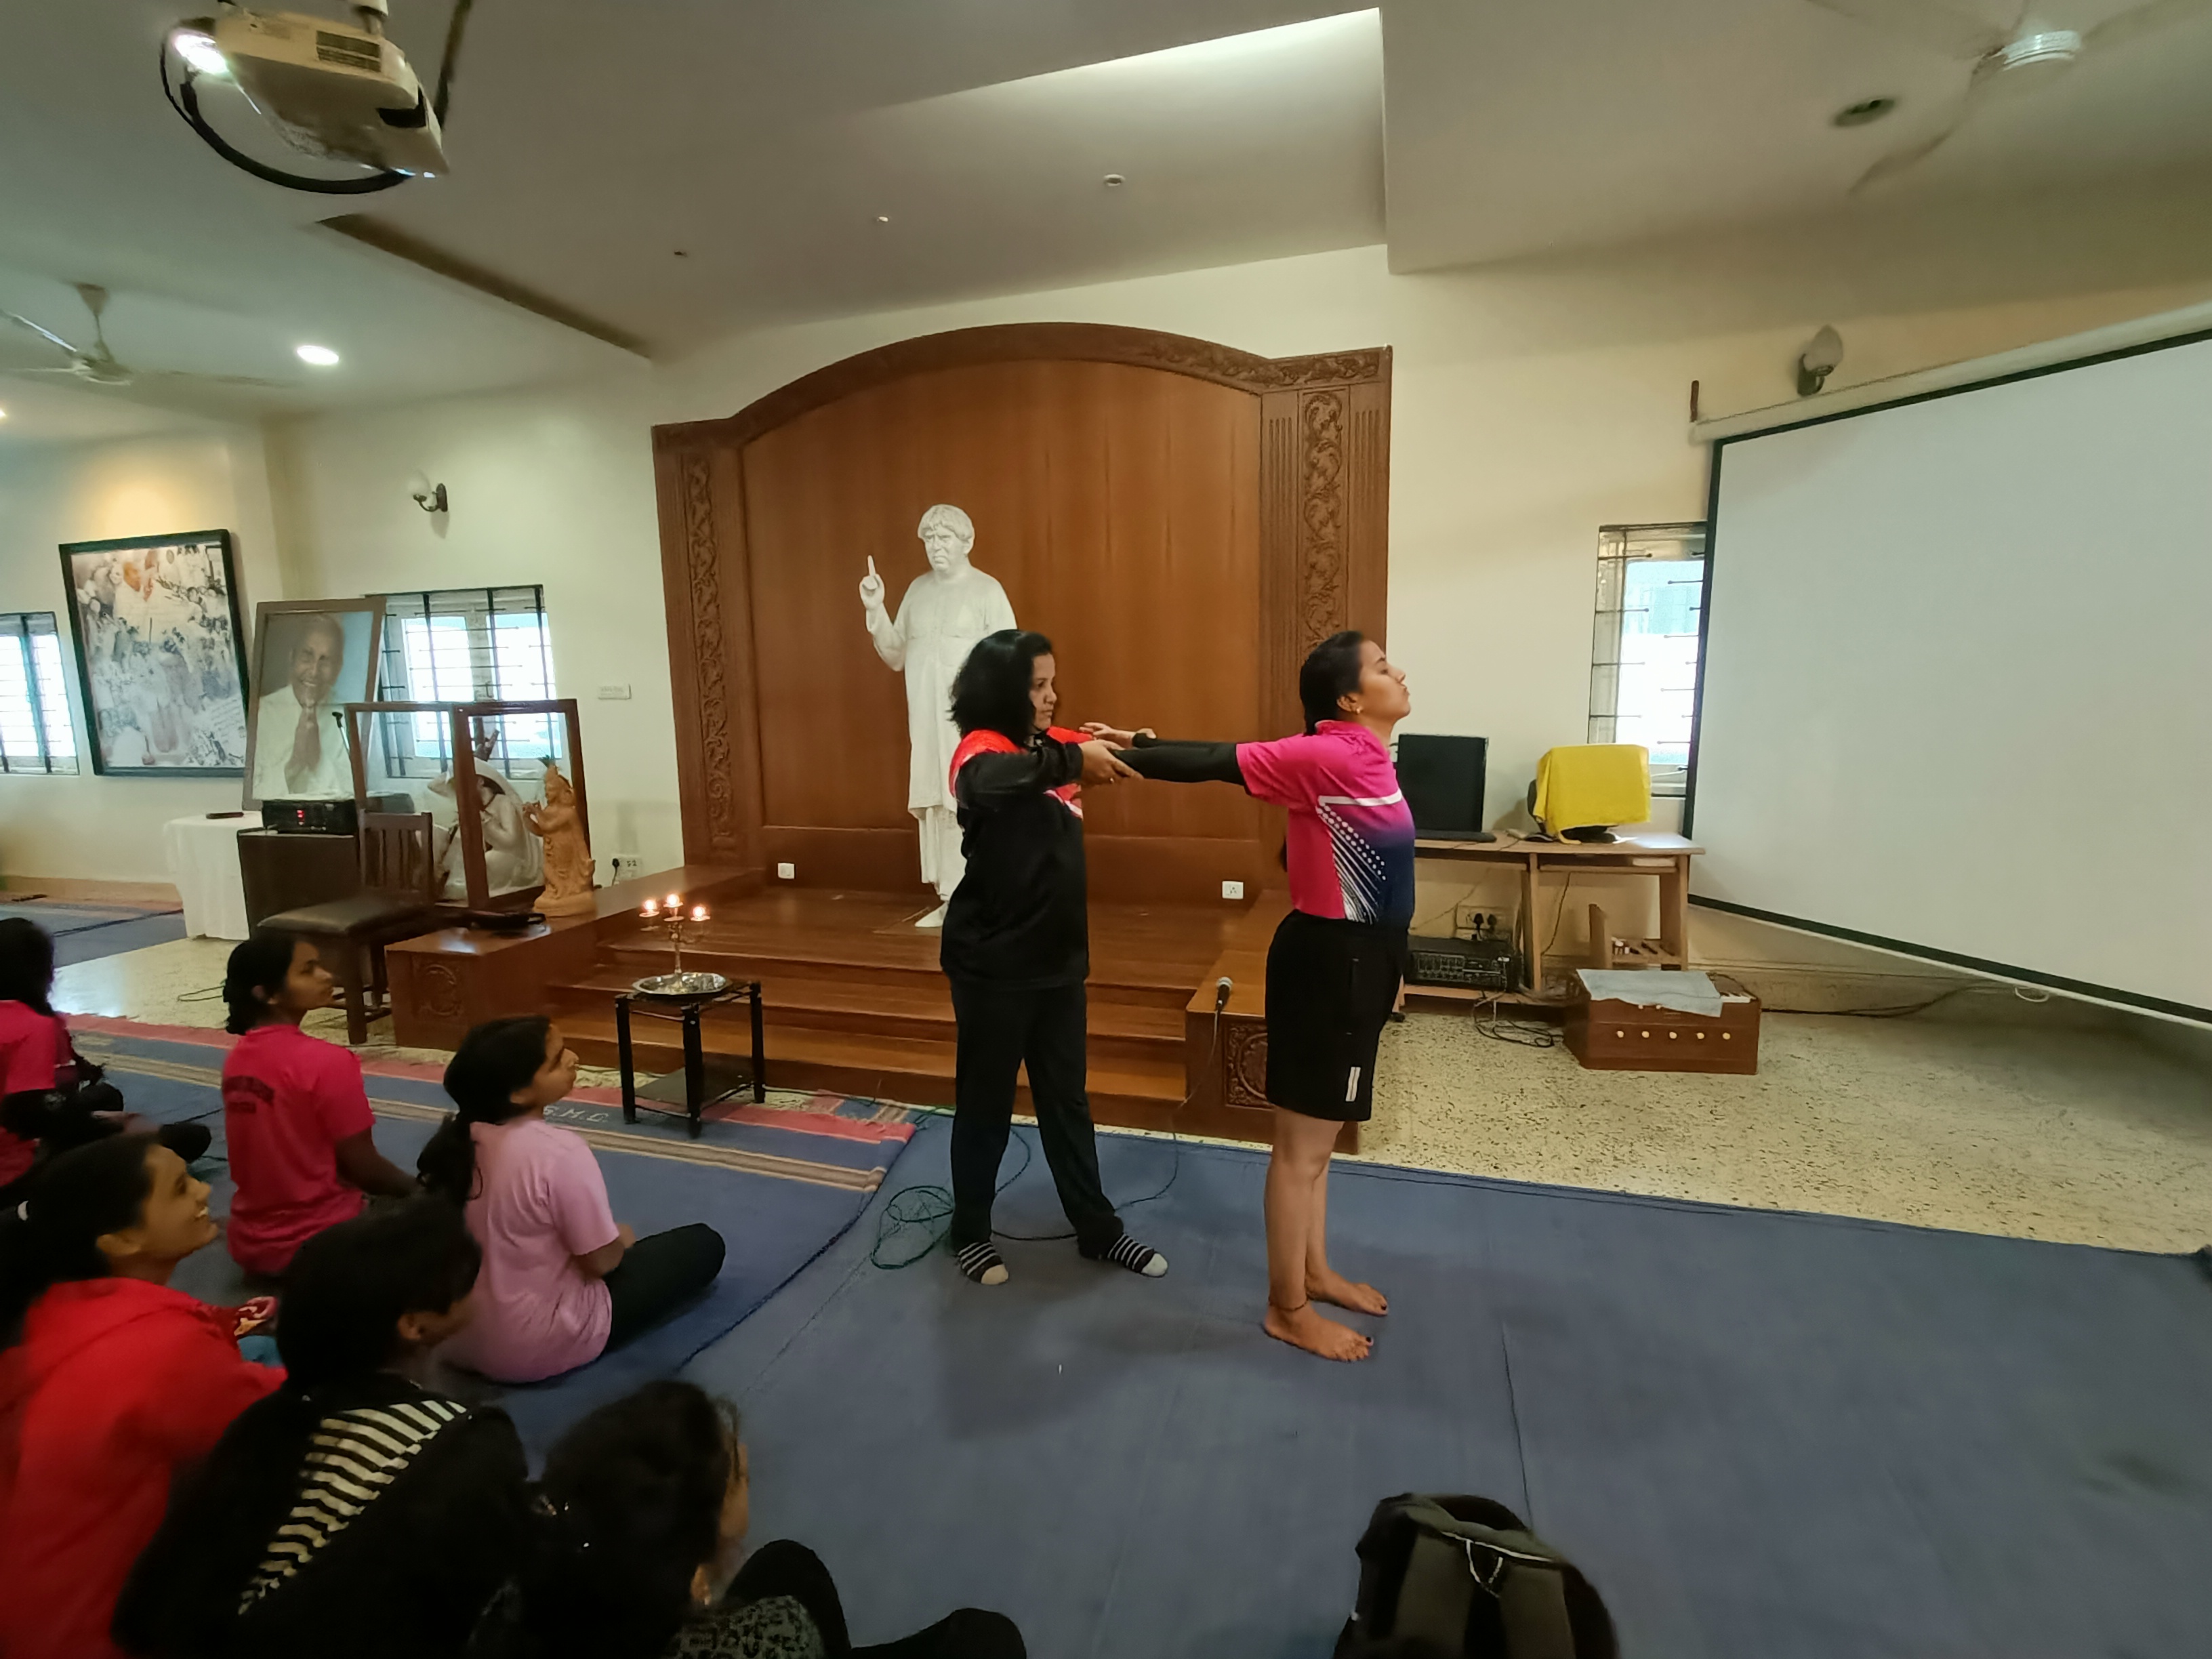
[1018, 917]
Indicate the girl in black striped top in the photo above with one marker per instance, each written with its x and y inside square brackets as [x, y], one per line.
[353, 1512]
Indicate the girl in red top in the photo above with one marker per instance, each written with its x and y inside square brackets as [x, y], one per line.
[295, 1114]
[51, 1098]
[110, 1381]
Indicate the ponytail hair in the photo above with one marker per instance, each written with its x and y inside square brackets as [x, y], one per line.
[494, 1060]
[1330, 672]
[630, 1507]
[27, 964]
[260, 965]
[97, 1188]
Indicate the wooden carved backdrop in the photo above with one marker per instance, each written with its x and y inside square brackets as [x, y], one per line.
[1184, 519]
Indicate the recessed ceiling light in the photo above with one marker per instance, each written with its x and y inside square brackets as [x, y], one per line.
[199, 50]
[883, 218]
[1114, 181]
[320, 356]
[1866, 110]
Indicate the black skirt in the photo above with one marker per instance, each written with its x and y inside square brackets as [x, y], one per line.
[1331, 986]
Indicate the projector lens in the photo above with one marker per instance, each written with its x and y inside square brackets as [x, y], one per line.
[199, 51]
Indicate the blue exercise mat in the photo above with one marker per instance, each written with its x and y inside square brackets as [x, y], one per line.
[82, 932]
[1760, 1433]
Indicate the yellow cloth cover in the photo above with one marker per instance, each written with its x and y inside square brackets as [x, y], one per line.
[1593, 783]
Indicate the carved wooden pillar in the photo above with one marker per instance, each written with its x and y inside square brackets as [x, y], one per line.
[705, 574]
[1324, 526]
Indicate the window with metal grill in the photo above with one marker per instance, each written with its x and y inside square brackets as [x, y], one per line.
[464, 645]
[1643, 651]
[35, 734]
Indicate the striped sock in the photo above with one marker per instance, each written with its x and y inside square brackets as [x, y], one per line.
[981, 1263]
[1127, 1252]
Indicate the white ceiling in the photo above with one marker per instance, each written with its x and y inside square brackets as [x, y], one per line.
[1518, 129]
[591, 141]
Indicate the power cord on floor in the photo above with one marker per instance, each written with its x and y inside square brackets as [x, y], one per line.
[930, 1207]
[2022, 992]
[1525, 1034]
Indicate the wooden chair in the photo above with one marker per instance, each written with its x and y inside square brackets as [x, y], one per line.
[398, 900]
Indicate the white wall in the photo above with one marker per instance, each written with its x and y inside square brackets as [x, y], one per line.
[89, 827]
[1531, 405]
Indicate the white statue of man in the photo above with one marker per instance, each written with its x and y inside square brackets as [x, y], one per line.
[940, 620]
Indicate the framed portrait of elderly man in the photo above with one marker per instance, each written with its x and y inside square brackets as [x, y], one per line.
[161, 653]
[310, 658]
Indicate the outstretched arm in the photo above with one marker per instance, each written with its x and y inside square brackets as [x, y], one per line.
[991, 780]
[1168, 761]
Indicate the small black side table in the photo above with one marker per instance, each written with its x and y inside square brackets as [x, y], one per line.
[688, 1010]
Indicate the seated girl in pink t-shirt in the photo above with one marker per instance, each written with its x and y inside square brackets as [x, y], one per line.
[295, 1116]
[563, 1281]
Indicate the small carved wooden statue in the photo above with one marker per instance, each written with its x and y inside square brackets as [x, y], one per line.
[568, 865]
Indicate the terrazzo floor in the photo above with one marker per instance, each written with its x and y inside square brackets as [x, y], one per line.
[2034, 1125]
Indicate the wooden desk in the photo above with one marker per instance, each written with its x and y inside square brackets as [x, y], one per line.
[1644, 853]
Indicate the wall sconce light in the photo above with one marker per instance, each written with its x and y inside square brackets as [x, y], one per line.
[1818, 361]
[431, 499]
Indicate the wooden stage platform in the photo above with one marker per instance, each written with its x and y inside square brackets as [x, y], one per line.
[855, 1002]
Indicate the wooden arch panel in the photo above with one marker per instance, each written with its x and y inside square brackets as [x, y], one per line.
[1184, 519]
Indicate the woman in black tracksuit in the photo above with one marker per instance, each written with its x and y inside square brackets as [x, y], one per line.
[1016, 947]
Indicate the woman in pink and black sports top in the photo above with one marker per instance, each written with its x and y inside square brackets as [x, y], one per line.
[1333, 968]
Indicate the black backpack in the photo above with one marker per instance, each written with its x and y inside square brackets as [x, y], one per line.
[1444, 1578]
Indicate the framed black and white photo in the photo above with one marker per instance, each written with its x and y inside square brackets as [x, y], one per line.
[161, 653]
[310, 658]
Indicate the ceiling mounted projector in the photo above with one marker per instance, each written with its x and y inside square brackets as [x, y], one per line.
[344, 92]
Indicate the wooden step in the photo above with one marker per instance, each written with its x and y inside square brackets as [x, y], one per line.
[1134, 1030]
[834, 959]
[918, 1071]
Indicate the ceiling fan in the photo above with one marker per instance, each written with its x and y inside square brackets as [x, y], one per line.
[97, 363]
[2017, 54]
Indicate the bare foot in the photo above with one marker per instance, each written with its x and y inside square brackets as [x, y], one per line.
[1334, 1288]
[1302, 1327]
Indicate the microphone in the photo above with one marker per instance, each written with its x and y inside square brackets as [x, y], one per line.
[1222, 988]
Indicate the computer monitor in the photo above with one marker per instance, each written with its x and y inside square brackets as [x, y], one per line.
[1442, 778]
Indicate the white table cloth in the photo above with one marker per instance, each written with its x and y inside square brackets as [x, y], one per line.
[202, 854]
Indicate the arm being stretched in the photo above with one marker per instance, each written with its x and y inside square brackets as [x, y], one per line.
[1173, 760]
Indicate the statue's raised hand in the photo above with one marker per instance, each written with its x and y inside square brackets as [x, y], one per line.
[872, 588]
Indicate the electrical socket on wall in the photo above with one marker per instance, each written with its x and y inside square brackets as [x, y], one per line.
[1233, 889]
[627, 867]
[787, 873]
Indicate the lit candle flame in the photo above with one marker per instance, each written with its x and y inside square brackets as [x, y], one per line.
[652, 909]
[675, 901]
[698, 913]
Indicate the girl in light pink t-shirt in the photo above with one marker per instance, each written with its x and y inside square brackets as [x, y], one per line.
[563, 1281]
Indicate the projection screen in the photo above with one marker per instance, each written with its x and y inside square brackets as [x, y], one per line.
[1955, 694]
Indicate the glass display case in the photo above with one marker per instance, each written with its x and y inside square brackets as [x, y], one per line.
[495, 777]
